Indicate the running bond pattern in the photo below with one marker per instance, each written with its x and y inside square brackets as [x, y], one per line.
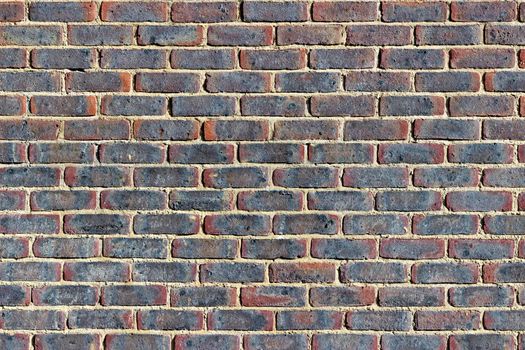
[228, 175]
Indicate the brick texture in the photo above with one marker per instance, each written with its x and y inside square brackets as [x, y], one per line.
[262, 174]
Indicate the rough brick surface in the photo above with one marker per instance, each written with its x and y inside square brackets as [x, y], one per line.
[262, 174]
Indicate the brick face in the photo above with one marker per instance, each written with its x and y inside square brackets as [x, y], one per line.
[262, 174]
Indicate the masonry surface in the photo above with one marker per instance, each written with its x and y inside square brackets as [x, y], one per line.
[227, 175]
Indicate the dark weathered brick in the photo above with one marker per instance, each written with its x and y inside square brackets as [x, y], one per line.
[237, 224]
[341, 341]
[203, 105]
[378, 81]
[307, 82]
[154, 248]
[449, 35]
[66, 247]
[63, 11]
[341, 58]
[307, 177]
[340, 200]
[137, 341]
[482, 58]
[480, 153]
[63, 58]
[303, 272]
[411, 105]
[88, 35]
[203, 58]
[131, 153]
[132, 59]
[412, 59]
[343, 249]
[445, 272]
[479, 201]
[504, 34]
[232, 272]
[488, 341]
[354, 106]
[228, 35]
[374, 272]
[62, 200]
[273, 296]
[49, 153]
[134, 11]
[266, 11]
[379, 320]
[481, 105]
[341, 153]
[33, 319]
[412, 249]
[378, 34]
[343, 11]
[170, 320]
[63, 341]
[207, 296]
[414, 11]
[237, 177]
[446, 224]
[408, 342]
[133, 295]
[172, 35]
[275, 341]
[315, 319]
[327, 34]
[486, 11]
[164, 272]
[97, 271]
[271, 153]
[192, 248]
[411, 296]
[65, 295]
[202, 341]
[274, 248]
[31, 35]
[133, 105]
[223, 11]
[237, 82]
[98, 81]
[477, 296]
[306, 130]
[177, 223]
[375, 224]
[96, 224]
[375, 177]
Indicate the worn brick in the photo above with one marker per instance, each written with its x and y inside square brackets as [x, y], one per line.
[192, 248]
[274, 248]
[480, 153]
[223, 11]
[313, 34]
[88, 35]
[489, 341]
[133, 295]
[407, 342]
[448, 35]
[341, 11]
[237, 224]
[207, 296]
[374, 272]
[316, 319]
[63, 11]
[203, 59]
[465, 106]
[306, 130]
[65, 295]
[98, 81]
[479, 296]
[379, 320]
[172, 35]
[165, 177]
[275, 341]
[269, 200]
[31, 35]
[274, 296]
[63, 341]
[446, 224]
[445, 272]
[322, 106]
[343, 249]
[341, 341]
[414, 12]
[177, 223]
[378, 34]
[341, 58]
[237, 82]
[134, 11]
[482, 58]
[232, 272]
[340, 200]
[305, 272]
[411, 296]
[306, 177]
[479, 201]
[412, 59]
[271, 153]
[164, 272]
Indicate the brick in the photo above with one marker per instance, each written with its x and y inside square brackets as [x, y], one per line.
[61, 153]
[132, 59]
[487, 11]
[406, 342]
[447, 320]
[14, 248]
[33, 319]
[481, 296]
[343, 249]
[64, 105]
[223, 11]
[412, 249]
[63, 58]
[306, 130]
[503, 130]
[62, 200]
[98, 81]
[266, 11]
[164, 272]
[207, 296]
[341, 58]
[323, 106]
[133, 11]
[447, 81]
[504, 34]
[232, 272]
[307, 82]
[237, 82]
[30, 81]
[202, 341]
[446, 177]
[204, 200]
[344, 341]
[100, 319]
[378, 81]
[287, 106]
[306, 177]
[274, 248]
[167, 82]
[342, 296]
[221, 35]
[170, 320]
[374, 272]
[480, 153]
[62, 341]
[435, 129]
[341, 153]
[65, 295]
[201, 153]
[379, 320]
[445, 272]
[12, 153]
[375, 224]
[237, 224]
[504, 224]
[503, 272]
[251, 320]
[133, 105]
[482, 58]
[203, 59]
[410, 153]
[14, 295]
[31, 35]
[97, 224]
[448, 35]
[90, 35]
[96, 271]
[414, 12]
[489, 341]
[312, 34]
[63, 12]
[29, 223]
[97, 176]
[340, 11]
[178, 223]
[275, 341]
[371, 129]
[173, 130]
[273, 296]
[13, 58]
[479, 201]
[304, 272]
[285, 224]
[131, 153]
[29, 176]
[445, 224]
[411, 59]
[378, 34]
[271, 153]
[315, 319]
[375, 177]
[12, 200]
[340, 200]
[66, 247]
[269, 200]
[238, 177]
[30, 271]
[153, 248]
[133, 295]
[191, 248]
[460, 106]
[12, 11]
[173, 35]
[411, 296]
[508, 177]
[481, 249]
[12, 105]
[504, 320]
[28, 130]
[96, 130]
[411, 105]
[130, 341]
[165, 177]
[272, 59]
[203, 105]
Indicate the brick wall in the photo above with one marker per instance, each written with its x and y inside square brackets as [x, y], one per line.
[226, 175]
